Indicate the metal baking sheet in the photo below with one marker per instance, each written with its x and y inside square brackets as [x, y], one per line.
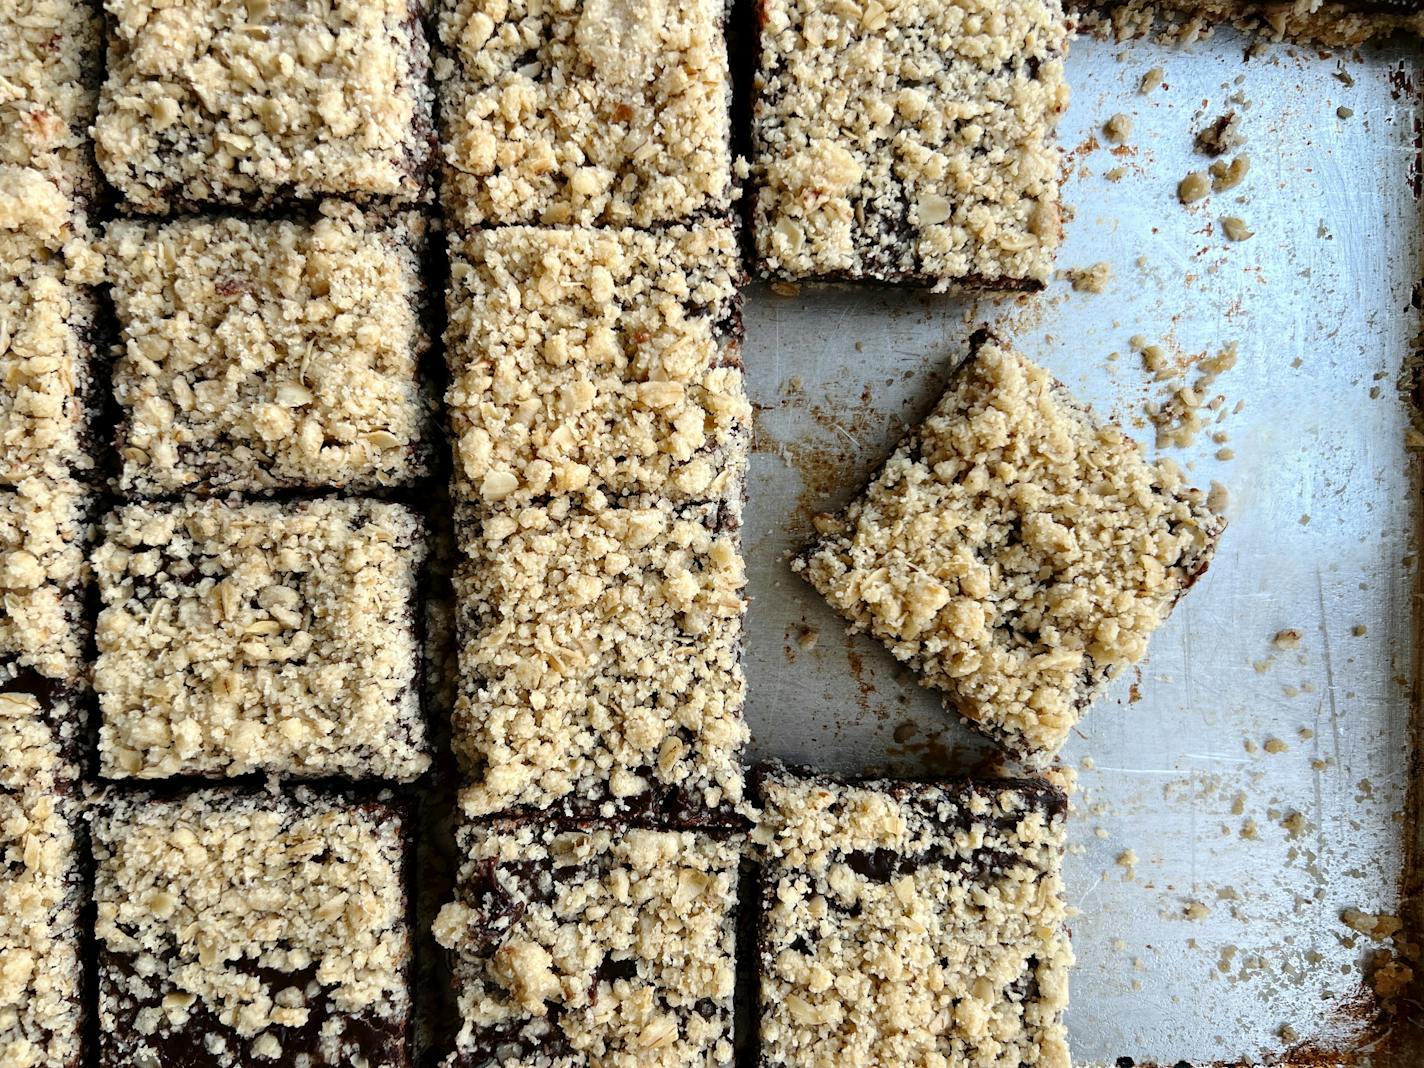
[1174, 761]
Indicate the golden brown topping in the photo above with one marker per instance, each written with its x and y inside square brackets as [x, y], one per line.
[1014, 552]
[586, 360]
[621, 947]
[244, 637]
[609, 112]
[911, 923]
[600, 655]
[909, 139]
[43, 529]
[263, 920]
[210, 102]
[266, 355]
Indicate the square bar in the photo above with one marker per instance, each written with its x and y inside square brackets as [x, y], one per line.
[609, 113]
[44, 531]
[252, 104]
[47, 331]
[585, 359]
[262, 356]
[273, 637]
[600, 659]
[911, 923]
[50, 64]
[41, 891]
[592, 943]
[1014, 552]
[239, 929]
[909, 142]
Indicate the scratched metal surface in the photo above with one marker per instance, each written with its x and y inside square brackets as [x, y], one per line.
[1319, 304]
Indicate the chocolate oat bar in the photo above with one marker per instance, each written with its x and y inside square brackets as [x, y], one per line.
[911, 923]
[592, 943]
[909, 142]
[41, 889]
[588, 359]
[239, 930]
[262, 356]
[610, 112]
[600, 659]
[50, 59]
[47, 330]
[274, 637]
[44, 528]
[1013, 551]
[253, 104]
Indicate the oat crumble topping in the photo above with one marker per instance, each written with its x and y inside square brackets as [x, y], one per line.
[909, 140]
[213, 102]
[601, 657]
[270, 355]
[46, 330]
[608, 112]
[593, 943]
[260, 637]
[1014, 552]
[589, 359]
[43, 530]
[41, 976]
[239, 929]
[49, 69]
[912, 923]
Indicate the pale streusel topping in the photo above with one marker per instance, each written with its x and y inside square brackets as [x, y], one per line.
[1015, 553]
[586, 359]
[194, 894]
[43, 531]
[909, 140]
[608, 112]
[269, 355]
[912, 923]
[600, 651]
[1322, 21]
[46, 329]
[593, 944]
[213, 102]
[41, 976]
[277, 637]
[50, 59]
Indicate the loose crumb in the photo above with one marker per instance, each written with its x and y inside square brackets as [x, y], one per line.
[1221, 136]
[1151, 80]
[1287, 639]
[1195, 910]
[1345, 113]
[1118, 128]
[1093, 279]
[1275, 745]
[1193, 187]
[1226, 176]
[1236, 229]
[1218, 497]
[1359, 630]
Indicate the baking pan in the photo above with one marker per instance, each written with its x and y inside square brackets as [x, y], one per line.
[1237, 794]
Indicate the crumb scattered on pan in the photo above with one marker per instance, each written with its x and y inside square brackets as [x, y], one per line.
[1221, 136]
[807, 637]
[1196, 910]
[1359, 630]
[1193, 187]
[1225, 175]
[1118, 128]
[1274, 746]
[1345, 113]
[1249, 830]
[1151, 80]
[1379, 927]
[1117, 174]
[1091, 279]
[1251, 746]
[1218, 497]
[1288, 638]
[1235, 228]
[1184, 410]
[786, 289]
